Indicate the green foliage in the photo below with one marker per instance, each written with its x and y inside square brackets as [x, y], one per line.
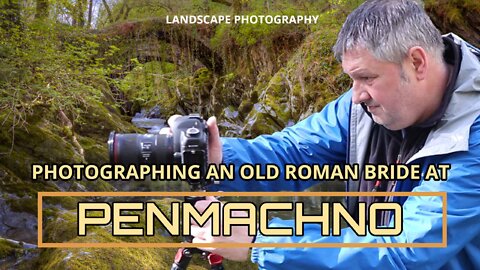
[250, 34]
[150, 84]
[48, 72]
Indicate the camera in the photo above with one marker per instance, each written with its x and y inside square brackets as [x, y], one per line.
[186, 144]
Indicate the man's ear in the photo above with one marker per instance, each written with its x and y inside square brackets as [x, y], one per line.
[418, 59]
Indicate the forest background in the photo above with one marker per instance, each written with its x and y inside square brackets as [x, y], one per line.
[71, 71]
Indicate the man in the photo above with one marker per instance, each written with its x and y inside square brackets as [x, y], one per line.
[415, 100]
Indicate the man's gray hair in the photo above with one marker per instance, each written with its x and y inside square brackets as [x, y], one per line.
[388, 29]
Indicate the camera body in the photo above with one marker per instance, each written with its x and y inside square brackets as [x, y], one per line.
[186, 144]
[190, 141]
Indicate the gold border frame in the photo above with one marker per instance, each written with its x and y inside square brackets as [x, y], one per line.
[41, 244]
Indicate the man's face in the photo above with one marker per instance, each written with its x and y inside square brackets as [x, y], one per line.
[387, 89]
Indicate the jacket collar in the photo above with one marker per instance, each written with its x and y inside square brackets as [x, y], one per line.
[452, 132]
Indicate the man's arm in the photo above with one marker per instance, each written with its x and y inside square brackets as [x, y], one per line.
[422, 223]
[319, 139]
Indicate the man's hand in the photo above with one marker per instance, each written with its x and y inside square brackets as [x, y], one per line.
[215, 154]
[204, 234]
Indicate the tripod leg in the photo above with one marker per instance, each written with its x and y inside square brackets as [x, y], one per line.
[182, 259]
[215, 261]
[184, 255]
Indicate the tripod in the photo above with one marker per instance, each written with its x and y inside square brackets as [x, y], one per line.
[184, 255]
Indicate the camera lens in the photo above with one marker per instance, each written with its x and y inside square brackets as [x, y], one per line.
[135, 149]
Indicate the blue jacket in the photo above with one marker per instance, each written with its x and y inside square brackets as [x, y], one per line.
[330, 137]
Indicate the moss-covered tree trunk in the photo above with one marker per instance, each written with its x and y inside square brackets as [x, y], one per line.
[10, 15]
[42, 9]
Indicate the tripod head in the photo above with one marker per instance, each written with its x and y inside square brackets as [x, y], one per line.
[184, 255]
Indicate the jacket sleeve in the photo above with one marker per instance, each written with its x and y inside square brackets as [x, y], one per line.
[422, 223]
[319, 139]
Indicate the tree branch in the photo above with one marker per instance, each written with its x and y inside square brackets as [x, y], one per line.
[109, 12]
[223, 2]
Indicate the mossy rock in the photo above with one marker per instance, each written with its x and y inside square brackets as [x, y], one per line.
[277, 97]
[10, 183]
[62, 202]
[35, 144]
[203, 79]
[457, 16]
[245, 107]
[98, 122]
[64, 229]
[94, 152]
[18, 224]
[14, 255]
[120, 258]
[103, 258]
[231, 123]
[310, 80]
[261, 120]
[8, 248]
[61, 228]
[26, 204]
[51, 147]
[97, 185]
